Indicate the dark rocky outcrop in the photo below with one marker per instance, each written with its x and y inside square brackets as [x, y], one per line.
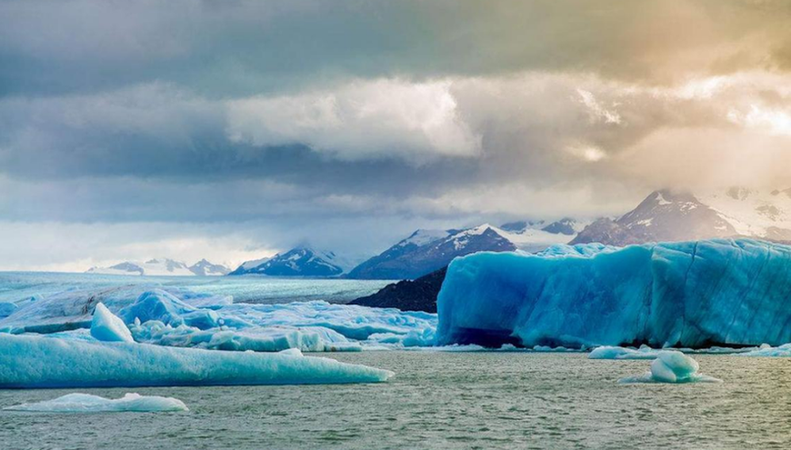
[407, 295]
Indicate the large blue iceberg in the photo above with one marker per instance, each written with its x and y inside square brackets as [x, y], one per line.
[30, 361]
[690, 294]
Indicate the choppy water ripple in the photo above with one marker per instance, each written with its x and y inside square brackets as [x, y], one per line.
[447, 400]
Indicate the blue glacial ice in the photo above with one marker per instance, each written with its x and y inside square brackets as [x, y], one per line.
[175, 317]
[610, 352]
[105, 326]
[33, 361]
[766, 350]
[7, 308]
[672, 367]
[689, 294]
[87, 403]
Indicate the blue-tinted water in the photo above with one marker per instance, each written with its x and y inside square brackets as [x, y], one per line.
[256, 289]
[445, 400]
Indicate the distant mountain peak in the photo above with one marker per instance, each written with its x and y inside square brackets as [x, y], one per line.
[162, 267]
[302, 260]
[205, 268]
[666, 215]
[423, 252]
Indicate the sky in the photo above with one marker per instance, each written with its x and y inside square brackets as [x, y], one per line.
[231, 130]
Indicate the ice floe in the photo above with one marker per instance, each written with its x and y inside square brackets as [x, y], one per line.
[87, 403]
[609, 352]
[180, 318]
[672, 367]
[30, 361]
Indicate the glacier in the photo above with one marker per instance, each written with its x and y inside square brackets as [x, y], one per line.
[34, 361]
[721, 292]
[181, 318]
[87, 403]
[672, 367]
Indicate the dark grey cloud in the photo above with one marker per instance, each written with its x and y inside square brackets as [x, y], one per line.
[221, 48]
[268, 121]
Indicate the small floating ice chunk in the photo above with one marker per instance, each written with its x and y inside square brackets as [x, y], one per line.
[783, 351]
[672, 367]
[86, 403]
[608, 352]
[291, 352]
[107, 327]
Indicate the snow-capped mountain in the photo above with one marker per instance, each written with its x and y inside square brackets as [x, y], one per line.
[533, 236]
[206, 269]
[756, 213]
[299, 261]
[428, 250]
[161, 267]
[666, 216]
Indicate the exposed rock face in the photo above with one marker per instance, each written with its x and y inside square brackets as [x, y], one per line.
[663, 216]
[425, 252]
[300, 262]
[418, 295]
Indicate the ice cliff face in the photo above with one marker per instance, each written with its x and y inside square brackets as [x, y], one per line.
[690, 294]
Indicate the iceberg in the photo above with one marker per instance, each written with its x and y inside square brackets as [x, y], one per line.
[672, 367]
[609, 352]
[31, 361]
[765, 350]
[105, 326]
[86, 403]
[689, 294]
[180, 318]
[257, 339]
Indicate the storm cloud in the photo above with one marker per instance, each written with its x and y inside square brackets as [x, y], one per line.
[234, 129]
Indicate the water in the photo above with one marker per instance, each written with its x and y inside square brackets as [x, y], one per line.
[445, 400]
[254, 289]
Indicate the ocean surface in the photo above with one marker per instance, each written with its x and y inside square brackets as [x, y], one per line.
[444, 400]
[437, 399]
[249, 288]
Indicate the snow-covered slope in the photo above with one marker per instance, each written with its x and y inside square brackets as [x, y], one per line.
[162, 267]
[664, 216]
[687, 294]
[667, 216]
[537, 235]
[156, 267]
[425, 251]
[756, 213]
[207, 269]
[299, 261]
